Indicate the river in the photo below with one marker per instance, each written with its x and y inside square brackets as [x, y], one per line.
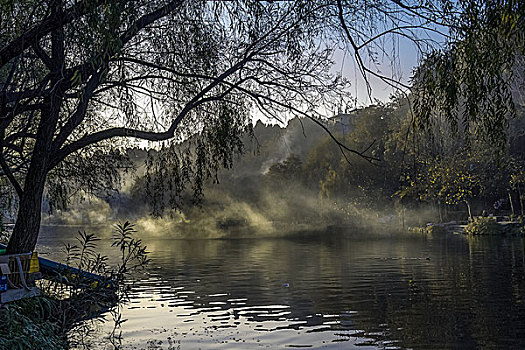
[323, 291]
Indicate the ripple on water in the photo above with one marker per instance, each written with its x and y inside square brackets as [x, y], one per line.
[330, 293]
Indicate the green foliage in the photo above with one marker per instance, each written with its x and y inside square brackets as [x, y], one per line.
[375, 130]
[92, 173]
[174, 168]
[85, 255]
[30, 324]
[136, 69]
[448, 168]
[451, 181]
[481, 225]
[288, 171]
[81, 80]
[133, 252]
[63, 307]
[471, 82]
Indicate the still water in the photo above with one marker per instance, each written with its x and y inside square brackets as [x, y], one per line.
[324, 291]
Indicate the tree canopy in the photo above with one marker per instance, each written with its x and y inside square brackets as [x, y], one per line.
[475, 82]
[79, 78]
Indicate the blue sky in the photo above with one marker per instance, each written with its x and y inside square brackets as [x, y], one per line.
[400, 67]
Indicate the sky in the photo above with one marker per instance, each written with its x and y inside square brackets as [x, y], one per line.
[396, 55]
[401, 68]
[407, 61]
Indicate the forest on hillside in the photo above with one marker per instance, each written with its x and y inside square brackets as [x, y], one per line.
[295, 178]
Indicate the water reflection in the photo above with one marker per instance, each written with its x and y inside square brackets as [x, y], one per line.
[328, 291]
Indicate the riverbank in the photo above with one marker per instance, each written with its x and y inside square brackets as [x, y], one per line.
[72, 296]
[479, 225]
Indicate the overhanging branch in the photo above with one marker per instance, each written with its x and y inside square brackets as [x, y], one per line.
[14, 182]
[49, 24]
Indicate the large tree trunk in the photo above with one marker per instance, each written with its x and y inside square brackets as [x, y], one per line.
[27, 227]
[27, 224]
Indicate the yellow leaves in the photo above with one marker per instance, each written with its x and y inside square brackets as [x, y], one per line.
[76, 79]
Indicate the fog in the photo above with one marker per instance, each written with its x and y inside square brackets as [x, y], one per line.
[251, 200]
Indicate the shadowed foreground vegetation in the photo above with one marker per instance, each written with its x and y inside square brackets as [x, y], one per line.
[71, 305]
[32, 324]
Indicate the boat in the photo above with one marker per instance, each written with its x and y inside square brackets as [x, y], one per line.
[18, 276]
[19, 272]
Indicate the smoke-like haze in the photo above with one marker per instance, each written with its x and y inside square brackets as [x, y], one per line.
[89, 211]
[248, 202]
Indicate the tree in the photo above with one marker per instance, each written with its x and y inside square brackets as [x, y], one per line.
[449, 181]
[366, 183]
[86, 76]
[475, 81]
[77, 77]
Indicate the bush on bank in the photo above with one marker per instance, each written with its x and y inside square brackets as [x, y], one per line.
[47, 321]
[481, 225]
[31, 324]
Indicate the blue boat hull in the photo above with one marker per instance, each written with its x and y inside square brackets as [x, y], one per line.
[66, 273]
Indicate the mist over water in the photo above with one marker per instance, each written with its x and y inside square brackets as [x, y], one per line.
[264, 195]
[283, 185]
[223, 216]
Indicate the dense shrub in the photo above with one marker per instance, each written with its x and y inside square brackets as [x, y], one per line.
[481, 225]
[29, 324]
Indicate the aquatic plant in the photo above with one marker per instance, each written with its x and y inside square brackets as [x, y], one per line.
[133, 252]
